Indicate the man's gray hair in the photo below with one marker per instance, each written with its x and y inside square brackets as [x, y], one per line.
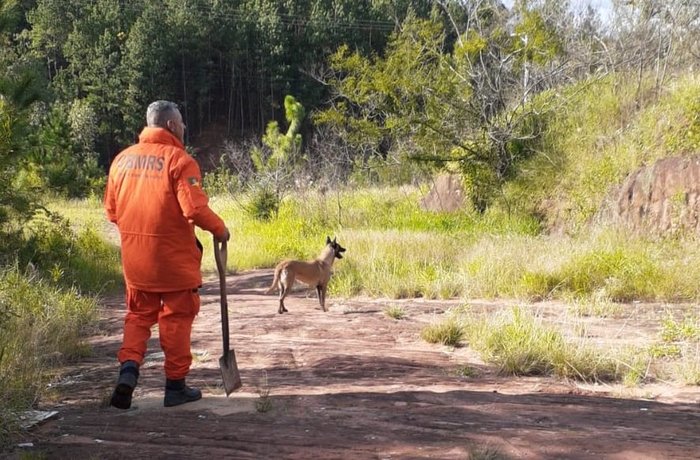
[159, 112]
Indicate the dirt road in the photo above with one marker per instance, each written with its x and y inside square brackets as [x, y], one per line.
[348, 384]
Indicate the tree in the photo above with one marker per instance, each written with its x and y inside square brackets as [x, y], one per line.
[460, 104]
[20, 88]
[276, 167]
[656, 36]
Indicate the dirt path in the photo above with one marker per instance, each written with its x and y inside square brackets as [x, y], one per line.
[349, 384]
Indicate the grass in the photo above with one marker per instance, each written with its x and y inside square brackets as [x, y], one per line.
[487, 453]
[448, 331]
[686, 329]
[519, 343]
[48, 301]
[598, 306]
[468, 371]
[420, 255]
[41, 326]
[680, 345]
[395, 312]
[687, 370]
[264, 402]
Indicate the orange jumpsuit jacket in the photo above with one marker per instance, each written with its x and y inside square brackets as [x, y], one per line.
[154, 195]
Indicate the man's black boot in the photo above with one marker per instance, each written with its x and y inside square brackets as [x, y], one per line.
[128, 377]
[176, 393]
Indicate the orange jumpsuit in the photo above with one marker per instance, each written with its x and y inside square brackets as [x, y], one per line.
[155, 197]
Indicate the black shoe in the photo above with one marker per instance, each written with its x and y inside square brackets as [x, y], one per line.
[128, 377]
[176, 393]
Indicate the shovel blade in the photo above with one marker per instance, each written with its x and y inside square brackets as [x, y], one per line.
[229, 372]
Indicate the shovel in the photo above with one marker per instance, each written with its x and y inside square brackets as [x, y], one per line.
[227, 363]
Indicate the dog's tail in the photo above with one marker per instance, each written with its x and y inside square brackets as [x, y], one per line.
[275, 280]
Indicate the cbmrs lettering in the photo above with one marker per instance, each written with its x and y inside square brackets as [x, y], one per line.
[143, 162]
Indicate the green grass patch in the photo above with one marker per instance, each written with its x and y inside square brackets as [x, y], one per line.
[468, 372]
[480, 257]
[487, 453]
[78, 251]
[686, 329]
[598, 306]
[664, 350]
[687, 369]
[41, 326]
[519, 343]
[447, 331]
[395, 312]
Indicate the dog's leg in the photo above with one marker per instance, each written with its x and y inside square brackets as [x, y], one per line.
[286, 283]
[283, 294]
[321, 289]
[320, 295]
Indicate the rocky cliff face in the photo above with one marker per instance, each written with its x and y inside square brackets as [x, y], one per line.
[660, 198]
[663, 197]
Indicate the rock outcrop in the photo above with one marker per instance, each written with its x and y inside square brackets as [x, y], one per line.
[661, 198]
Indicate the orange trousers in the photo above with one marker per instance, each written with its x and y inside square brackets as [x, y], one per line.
[174, 312]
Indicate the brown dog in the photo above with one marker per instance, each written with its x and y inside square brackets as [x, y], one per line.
[314, 273]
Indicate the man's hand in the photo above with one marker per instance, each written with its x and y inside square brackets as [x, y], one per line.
[224, 237]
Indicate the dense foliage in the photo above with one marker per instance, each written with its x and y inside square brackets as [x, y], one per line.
[440, 84]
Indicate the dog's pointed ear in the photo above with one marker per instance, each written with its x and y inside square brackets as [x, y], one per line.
[334, 242]
[328, 239]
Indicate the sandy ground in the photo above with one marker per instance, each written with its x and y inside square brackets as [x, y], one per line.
[353, 383]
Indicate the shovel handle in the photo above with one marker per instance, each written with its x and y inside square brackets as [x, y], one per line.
[220, 254]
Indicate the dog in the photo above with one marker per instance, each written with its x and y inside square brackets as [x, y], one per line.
[315, 273]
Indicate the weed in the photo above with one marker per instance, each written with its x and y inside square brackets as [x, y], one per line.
[33, 455]
[688, 368]
[264, 402]
[597, 305]
[9, 426]
[395, 312]
[688, 329]
[664, 350]
[468, 371]
[264, 204]
[487, 453]
[635, 368]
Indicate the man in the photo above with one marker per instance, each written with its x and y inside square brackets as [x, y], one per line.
[154, 195]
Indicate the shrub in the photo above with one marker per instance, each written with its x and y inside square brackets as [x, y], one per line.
[264, 204]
